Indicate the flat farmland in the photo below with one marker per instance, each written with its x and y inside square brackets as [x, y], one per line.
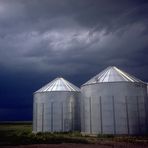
[20, 135]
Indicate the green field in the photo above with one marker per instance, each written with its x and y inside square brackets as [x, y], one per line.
[21, 133]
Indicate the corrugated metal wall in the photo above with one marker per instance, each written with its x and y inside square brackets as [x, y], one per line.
[56, 111]
[114, 108]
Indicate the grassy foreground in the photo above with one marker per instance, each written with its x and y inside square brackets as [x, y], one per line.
[21, 133]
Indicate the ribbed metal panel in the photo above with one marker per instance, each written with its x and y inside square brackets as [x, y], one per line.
[56, 111]
[118, 107]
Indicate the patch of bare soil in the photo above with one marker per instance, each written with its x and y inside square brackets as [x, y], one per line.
[68, 145]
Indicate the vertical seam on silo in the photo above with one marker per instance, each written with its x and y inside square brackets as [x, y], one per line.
[42, 117]
[138, 115]
[101, 126]
[83, 115]
[62, 116]
[90, 115]
[114, 117]
[72, 115]
[127, 116]
[51, 116]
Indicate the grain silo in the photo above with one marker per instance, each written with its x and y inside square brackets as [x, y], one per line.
[114, 102]
[56, 107]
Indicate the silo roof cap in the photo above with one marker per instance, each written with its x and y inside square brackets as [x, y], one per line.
[112, 74]
[58, 84]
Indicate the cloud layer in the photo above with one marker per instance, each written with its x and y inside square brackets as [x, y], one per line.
[40, 40]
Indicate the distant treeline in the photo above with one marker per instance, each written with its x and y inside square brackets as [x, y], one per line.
[15, 122]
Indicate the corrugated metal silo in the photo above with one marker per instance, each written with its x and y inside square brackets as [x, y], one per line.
[114, 102]
[56, 107]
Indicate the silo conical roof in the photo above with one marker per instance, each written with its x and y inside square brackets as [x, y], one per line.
[112, 74]
[58, 84]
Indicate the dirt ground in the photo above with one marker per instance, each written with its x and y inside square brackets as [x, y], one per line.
[68, 145]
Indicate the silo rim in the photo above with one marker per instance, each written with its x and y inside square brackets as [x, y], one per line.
[55, 91]
[115, 82]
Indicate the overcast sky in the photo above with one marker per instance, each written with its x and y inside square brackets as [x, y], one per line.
[75, 39]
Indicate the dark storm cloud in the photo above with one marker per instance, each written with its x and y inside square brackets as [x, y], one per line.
[40, 40]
